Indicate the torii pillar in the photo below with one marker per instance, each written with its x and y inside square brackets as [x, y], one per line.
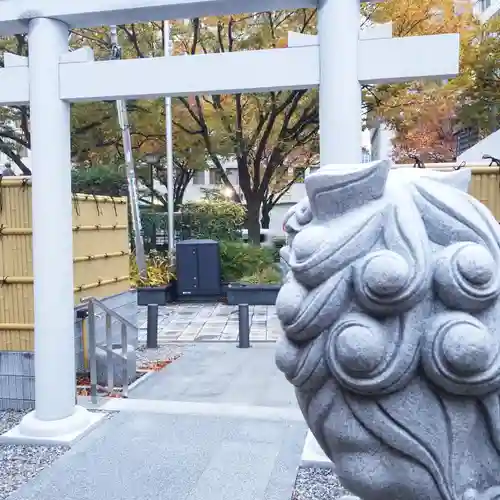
[339, 88]
[56, 419]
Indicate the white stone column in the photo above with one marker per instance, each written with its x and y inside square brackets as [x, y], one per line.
[339, 89]
[339, 115]
[56, 418]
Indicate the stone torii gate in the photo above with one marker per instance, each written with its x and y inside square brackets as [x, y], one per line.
[53, 77]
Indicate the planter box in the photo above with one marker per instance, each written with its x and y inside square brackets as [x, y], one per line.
[253, 295]
[157, 295]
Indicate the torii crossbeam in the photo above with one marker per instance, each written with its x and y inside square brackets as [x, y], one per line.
[53, 78]
[81, 79]
[16, 14]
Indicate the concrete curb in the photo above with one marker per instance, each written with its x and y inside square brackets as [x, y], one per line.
[313, 456]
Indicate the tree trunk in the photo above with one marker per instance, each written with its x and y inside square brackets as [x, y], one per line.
[265, 220]
[253, 222]
[179, 191]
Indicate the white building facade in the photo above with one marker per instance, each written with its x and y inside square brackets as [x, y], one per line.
[486, 9]
[23, 153]
[210, 179]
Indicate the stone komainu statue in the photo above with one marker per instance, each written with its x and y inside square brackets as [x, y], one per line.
[391, 316]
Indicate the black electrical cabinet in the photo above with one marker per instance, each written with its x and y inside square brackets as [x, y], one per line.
[198, 269]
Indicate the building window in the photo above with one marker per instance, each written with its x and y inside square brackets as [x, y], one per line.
[299, 174]
[365, 156]
[199, 178]
[232, 175]
[481, 5]
[23, 152]
[485, 4]
[215, 177]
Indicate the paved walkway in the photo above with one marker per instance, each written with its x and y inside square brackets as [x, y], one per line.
[220, 423]
[210, 322]
[222, 373]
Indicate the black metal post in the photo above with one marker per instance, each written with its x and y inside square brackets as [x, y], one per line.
[244, 326]
[152, 180]
[92, 353]
[152, 335]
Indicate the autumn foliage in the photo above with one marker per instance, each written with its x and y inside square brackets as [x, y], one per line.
[423, 115]
[273, 136]
[427, 129]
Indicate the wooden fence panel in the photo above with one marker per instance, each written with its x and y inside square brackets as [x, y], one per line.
[485, 187]
[100, 249]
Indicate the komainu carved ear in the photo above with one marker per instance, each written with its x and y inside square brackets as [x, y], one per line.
[459, 179]
[338, 189]
[298, 216]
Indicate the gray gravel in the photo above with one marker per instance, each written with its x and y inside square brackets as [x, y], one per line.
[162, 352]
[18, 464]
[317, 484]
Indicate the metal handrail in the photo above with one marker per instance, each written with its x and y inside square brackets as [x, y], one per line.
[492, 159]
[92, 303]
[418, 163]
[112, 313]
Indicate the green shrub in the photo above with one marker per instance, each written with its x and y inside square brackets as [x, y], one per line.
[239, 260]
[99, 179]
[160, 270]
[212, 219]
[279, 241]
[268, 276]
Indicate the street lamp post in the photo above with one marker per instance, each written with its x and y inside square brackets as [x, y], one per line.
[169, 146]
[152, 160]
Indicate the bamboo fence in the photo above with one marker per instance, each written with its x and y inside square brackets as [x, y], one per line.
[100, 249]
[484, 186]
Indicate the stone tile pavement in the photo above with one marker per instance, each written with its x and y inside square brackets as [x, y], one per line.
[210, 322]
[220, 423]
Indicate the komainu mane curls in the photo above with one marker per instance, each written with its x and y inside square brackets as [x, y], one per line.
[390, 313]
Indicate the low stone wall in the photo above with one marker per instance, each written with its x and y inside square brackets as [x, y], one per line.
[17, 380]
[17, 370]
